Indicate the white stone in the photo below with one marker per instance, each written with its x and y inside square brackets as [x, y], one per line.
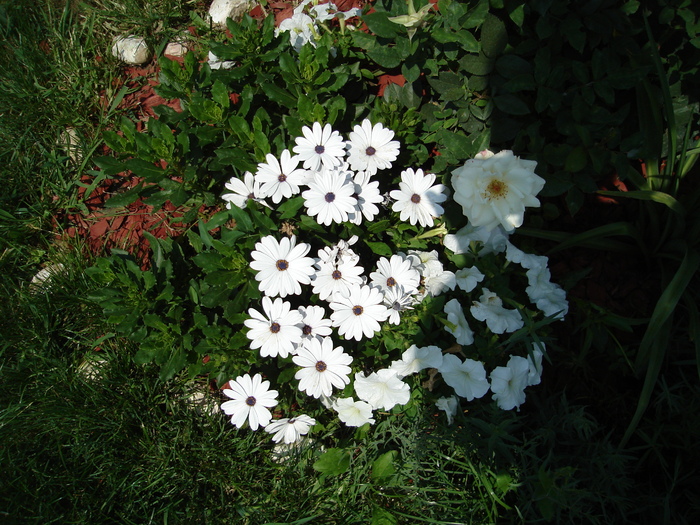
[220, 10]
[69, 141]
[175, 49]
[131, 49]
[42, 280]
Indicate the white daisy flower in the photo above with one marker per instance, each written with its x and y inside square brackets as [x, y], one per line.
[243, 190]
[359, 313]
[496, 190]
[323, 367]
[368, 196]
[396, 271]
[250, 400]
[336, 279]
[330, 197]
[457, 323]
[397, 301]
[417, 200]
[449, 405]
[415, 359]
[508, 383]
[353, 413]
[468, 278]
[290, 430]
[320, 147]
[280, 178]
[490, 308]
[282, 266]
[313, 324]
[382, 389]
[276, 332]
[371, 148]
[468, 378]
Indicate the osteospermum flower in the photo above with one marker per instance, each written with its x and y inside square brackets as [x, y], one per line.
[358, 313]
[415, 359]
[458, 325]
[336, 279]
[282, 266]
[243, 190]
[468, 378]
[397, 301]
[367, 195]
[313, 324]
[393, 272]
[250, 400]
[508, 383]
[319, 147]
[290, 430]
[280, 178]
[323, 367]
[330, 197]
[370, 148]
[353, 413]
[490, 308]
[417, 200]
[276, 332]
[496, 190]
[382, 389]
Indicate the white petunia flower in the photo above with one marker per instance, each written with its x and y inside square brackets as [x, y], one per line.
[438, 283]
[436, 279]
[320, 147]
[449, 405]
[280, 178]
[490, 308]
[468, 378]
[331, 280]
[313, 324]
[393, 272]
[243, 190]
[397, 301]
[250, 400]
[496, 190]
[370, 148]
[323, 367]
[508, 383]
[276, 332]
[353, 413]
[282, 266]
[382, 389]
[416, 359]
[417, 200]
[301, 30]
[367, 195]
[468, 278]
[359, 313]
[290, 430]
[330, 197]
[458, 325]
[486, 240]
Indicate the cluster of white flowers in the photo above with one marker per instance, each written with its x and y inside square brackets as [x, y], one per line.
[338, 176]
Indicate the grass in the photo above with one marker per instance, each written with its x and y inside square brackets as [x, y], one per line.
[121, 446]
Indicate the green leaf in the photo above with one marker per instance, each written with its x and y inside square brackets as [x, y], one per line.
[383, 466]
[379, 23]
[380, 248]
[280, 95]
[220, 93]
[493, 36]
[382, 516]
[648, 195]
[333, 462]
[385, 56]
[511, 104]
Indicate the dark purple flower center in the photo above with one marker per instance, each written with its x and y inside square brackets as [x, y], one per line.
[251, 196]
[281, 177]
[250, 401]
[282, 265]
[319, 149]
[330, 197]
[306, 330]
[391, 282]
[275, 328]
[337, 275]
[357, 309]
[415, 198]
[370, 151]
[321, 366]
